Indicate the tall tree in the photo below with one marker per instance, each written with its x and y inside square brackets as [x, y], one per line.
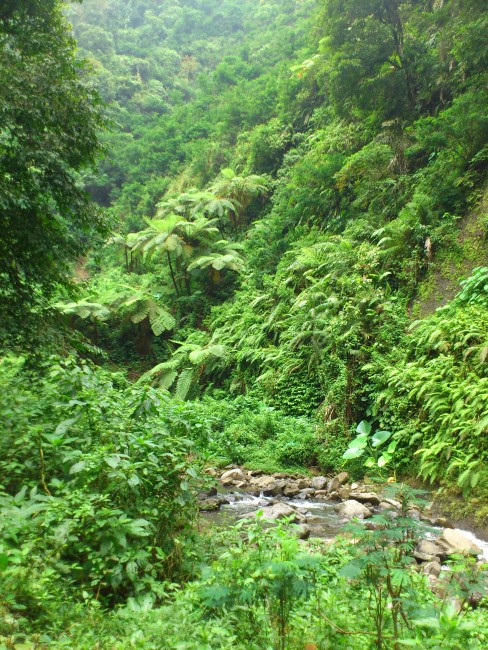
[49, 121]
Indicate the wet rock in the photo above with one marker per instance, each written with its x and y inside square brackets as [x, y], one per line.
[344, 492]
[211, 492]
[442, 521]
[241, 484]
[231, 475]
[321, 493]
[303, 531]
[277, 511]
[208, 505]
[432, 568]
[423, 557]
[454, 541]
[303, 483]
[413, 514]
[351, 508]
[276, 488]
[291, 490]
[430, 548]
[319, 483]
[364, 497]
[262, 482]
[334, 495]
[385, 506]
[307, 492]
[393, 502]
[342, 477]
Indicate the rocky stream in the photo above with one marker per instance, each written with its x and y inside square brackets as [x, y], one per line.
[320, 506]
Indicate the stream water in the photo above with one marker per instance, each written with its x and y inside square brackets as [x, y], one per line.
[321, 517]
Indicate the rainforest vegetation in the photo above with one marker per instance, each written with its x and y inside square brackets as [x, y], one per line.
[232, 231]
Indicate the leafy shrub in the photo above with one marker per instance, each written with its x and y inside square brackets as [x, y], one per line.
[105, 493]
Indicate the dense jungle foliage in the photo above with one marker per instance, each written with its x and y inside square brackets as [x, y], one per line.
[231, 232]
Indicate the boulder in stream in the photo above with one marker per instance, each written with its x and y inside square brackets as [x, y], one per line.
[351, 509]
[234, 474]
[319, 483]
[454, 541]
[279, 510]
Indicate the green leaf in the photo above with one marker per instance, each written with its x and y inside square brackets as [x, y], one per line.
[364, 427]
[3, 561]
[370, 462]
[353, 452]
[384, 459]
[380, 437]
[78, 467]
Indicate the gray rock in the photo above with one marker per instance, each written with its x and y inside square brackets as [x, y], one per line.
[303, 531]
[291, 490]
[344, 492]
[342, 477]
[423, 557]
[211, 504]
[276, 488]
[211, 492]
[364, 497]
[432, 568]
[393, 502]
[231, 475]
[454, 541]
[319, 483]
[303, 483]
[279, 510]
[428, 547]
[350, 509]
[307, 492]
[321, 493]
[262, 482]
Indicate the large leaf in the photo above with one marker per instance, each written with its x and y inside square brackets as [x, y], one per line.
[364, 427]
[380, 437]
[353, 452]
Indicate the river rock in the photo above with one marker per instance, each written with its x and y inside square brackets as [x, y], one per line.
[231, 475]
[429, 548]
[303, 531]
[262, 482]
[351, 508]
[303, 483]
[393, 502]
[342, 477]
[344, 492]
[423, 557]
[291, 490]
[279, 510]
[432, 568]
[276, 488]
[454, 541]
[208, 505]
[211, 492]
[319, 483]
[366, 497]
